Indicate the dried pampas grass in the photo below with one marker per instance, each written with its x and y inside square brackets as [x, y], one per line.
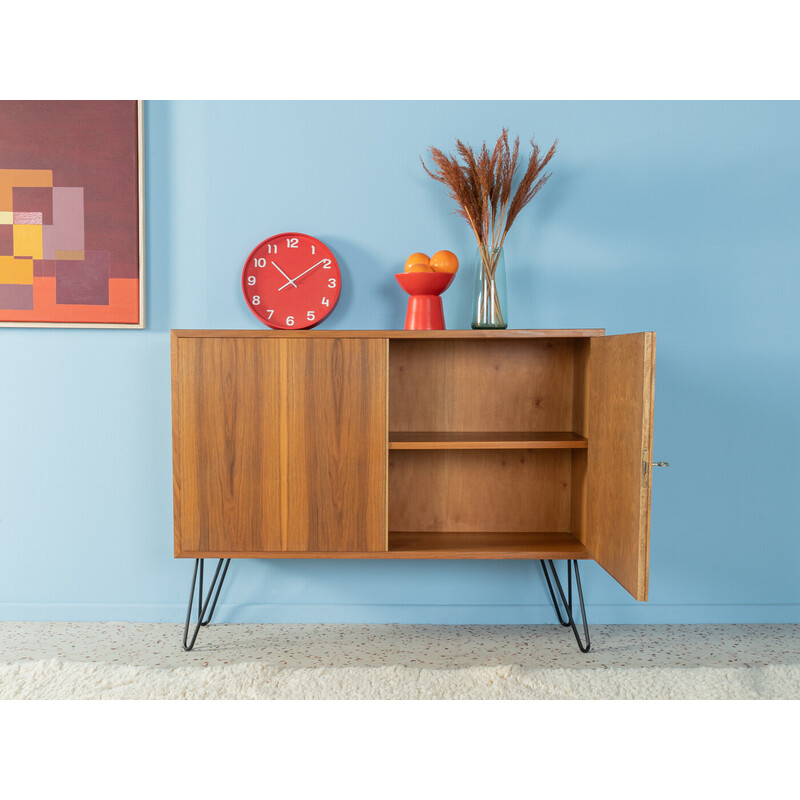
[481, 184]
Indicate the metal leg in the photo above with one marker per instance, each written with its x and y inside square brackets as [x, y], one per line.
[564, 622]
[202, 606]
[567, 601]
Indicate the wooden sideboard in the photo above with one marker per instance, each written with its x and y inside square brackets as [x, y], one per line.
[516, 444]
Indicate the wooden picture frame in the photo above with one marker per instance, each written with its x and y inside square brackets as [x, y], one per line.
[72, 214]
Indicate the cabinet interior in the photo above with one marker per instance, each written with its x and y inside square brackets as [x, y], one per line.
[488, 446]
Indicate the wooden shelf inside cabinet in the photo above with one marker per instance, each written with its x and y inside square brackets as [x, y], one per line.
[486, 440]
[484, 545]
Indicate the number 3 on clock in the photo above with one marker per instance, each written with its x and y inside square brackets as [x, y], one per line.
[287, 281]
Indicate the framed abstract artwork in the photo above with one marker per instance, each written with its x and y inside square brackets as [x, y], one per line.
[71, 214]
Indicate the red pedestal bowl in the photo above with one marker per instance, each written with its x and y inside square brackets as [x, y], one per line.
[425, 312]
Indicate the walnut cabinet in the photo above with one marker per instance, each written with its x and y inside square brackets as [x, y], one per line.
[414, 444]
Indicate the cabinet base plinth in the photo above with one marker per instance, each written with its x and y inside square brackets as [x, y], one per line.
[413, 545]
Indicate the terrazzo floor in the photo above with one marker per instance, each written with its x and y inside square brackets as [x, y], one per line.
[428, 646]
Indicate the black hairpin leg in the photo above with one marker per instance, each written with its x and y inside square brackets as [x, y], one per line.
[567, 601]
[202, 607]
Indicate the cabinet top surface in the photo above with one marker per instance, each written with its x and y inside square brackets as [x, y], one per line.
[552, 333]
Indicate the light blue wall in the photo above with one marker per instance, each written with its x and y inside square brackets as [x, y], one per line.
[676, 217]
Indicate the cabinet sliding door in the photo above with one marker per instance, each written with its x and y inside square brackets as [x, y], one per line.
[335, 448]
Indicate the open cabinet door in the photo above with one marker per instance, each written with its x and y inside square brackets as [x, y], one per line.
[620, 430]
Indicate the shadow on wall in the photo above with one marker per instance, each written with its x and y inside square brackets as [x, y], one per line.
[369, 289]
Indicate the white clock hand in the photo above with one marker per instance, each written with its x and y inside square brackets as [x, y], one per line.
[284, 275]
[299, 276]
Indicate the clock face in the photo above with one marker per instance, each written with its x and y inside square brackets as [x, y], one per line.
[291, 281]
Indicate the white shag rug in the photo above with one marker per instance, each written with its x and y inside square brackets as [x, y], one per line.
[60, 680]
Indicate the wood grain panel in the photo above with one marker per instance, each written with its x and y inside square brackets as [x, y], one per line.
[175, 381]
[487, 545]
[477, 545]
[479, 490]
[226, 410]
[621, 375]
[513, 333]
[279, 444]
[485, 440]
[336, 444]
[480, 385]
[580, 425]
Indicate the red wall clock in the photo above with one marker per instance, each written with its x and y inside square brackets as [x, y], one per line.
[291, 281]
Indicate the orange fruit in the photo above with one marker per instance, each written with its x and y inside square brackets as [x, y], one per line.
[444, 261]
[418, 268]
[416, 258]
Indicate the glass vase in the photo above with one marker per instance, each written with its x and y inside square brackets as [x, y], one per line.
[489, 300]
